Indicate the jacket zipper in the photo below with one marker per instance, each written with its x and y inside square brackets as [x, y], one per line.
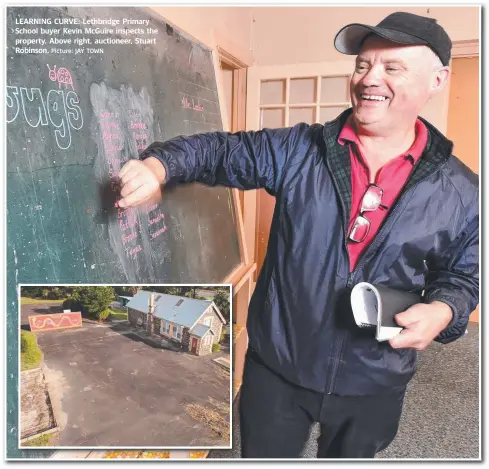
[338, 345]
[340, 340]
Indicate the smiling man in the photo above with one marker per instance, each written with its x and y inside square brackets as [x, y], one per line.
[375, 195]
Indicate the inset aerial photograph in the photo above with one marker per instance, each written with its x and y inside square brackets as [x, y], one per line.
[125, 366]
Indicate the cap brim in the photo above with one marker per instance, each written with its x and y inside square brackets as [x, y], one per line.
[350, 38]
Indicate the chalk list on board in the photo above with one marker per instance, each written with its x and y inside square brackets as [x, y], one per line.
[78, 35]
[123, 126]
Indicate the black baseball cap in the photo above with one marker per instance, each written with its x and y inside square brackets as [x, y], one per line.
[401, 27]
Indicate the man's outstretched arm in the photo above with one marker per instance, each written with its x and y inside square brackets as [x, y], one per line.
[244, 160]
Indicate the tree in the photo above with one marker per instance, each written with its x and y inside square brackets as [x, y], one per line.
[93, 301]
[221, 300]
[31, 292]
[45, 292]
[134, 290]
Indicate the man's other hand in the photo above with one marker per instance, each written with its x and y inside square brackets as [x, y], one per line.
[140, 181]
[422, 323]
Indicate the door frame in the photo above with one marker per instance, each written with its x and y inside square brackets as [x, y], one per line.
[257, 74]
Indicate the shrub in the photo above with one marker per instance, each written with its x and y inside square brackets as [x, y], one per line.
[103, 314]
[93, 299]
[74, 306]
[216, 348]
[30, 353]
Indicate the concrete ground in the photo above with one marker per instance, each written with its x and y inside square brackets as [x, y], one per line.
[440, 418]
[110, 388]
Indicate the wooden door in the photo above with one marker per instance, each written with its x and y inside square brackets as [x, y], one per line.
[463, 116]
[194, 345]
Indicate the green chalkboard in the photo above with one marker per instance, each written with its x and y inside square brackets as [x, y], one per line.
[80, 103]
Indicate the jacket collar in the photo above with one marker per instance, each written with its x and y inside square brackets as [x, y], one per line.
[437, 151]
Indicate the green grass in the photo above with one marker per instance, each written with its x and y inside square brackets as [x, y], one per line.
[30, 354]
[36, 301]
[117, 315]
[42, 440]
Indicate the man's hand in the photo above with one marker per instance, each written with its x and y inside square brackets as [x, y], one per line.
[422, 323]
[140, 181]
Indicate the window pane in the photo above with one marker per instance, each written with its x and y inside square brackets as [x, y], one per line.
[272, 118]
[272, 92]
[330, 113]
[301, 114]
[335, 89]
[302, 90]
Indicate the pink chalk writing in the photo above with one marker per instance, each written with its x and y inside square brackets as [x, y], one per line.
[135, 250]
[109, 125]
[190, 104]
[130, 237]
[124, 226]
[185, 102]
[108, 115]
[159, 232]
[160, 217]
[108, 135]
[114, 129]
[110, 148]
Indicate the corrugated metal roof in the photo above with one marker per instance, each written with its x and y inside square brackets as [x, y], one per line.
[166, 307]
[199, 330]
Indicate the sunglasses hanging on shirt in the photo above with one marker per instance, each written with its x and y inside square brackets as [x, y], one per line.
[371, 201]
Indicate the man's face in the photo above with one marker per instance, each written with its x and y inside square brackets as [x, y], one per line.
[391, 84]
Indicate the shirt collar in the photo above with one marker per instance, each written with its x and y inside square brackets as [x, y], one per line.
[349, 135]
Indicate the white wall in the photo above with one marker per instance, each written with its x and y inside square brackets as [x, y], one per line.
[287, 35]
[228, 27]
[290, 35]
[294, 35]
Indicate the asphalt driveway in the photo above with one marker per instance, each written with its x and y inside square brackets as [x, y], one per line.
[109, 387]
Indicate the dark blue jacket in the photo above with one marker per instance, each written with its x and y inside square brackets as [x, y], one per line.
[300, 320]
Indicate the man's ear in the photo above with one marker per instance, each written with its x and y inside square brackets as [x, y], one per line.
[440, 79]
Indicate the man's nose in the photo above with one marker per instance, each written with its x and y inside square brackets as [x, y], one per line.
[373, 77]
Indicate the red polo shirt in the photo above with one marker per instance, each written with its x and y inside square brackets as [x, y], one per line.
[390, 178]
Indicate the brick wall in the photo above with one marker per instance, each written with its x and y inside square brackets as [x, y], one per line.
[133, 316]
[186, 338]
[205, 348]
[156, 325]
[216, 328]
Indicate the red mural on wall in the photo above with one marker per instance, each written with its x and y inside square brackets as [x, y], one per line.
[43, 322]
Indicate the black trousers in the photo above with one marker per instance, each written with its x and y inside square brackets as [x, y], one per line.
[276, 417]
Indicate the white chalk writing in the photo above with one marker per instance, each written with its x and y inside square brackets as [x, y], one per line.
[59, 109]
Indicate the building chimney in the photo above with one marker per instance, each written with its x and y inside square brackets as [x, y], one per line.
[151, 310]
